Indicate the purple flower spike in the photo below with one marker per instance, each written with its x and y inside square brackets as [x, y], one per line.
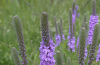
[93, 20]
[47, 47]
[61, 31]
[94, 43]
[63, 37]
[98, 55]
[58, 39]
[71, 37]
[76, 7]
[57, 36]
[71, 44]
[73, 17]
[20, 37]
[78, 14]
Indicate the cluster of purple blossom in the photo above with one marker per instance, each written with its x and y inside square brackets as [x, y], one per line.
[47, 53]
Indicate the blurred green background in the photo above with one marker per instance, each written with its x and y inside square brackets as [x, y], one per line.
[29, 11]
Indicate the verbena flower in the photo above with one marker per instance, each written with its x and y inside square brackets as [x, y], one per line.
[73, 17]
[58, 39]
[57, 36]
[63, 36]
[82, 42]
[77, 13]
[19, 33]
[93, 20]
[76, 7]
[73, 12]
[61, 30]
[98, 54]
[71, 44]
[86, 51]
[94, 43]
[47, 53]
[71, 37]
[47, 47]
[85, 25]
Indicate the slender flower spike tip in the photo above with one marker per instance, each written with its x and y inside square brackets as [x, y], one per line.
[77, 13]
[59, 60]
[45, 28]
[47, 47]
[73, 12]
[86, 51]
[82, 42]
[59, 25]
[94, 43]
[73, 7]
[84, 20]
[71, 37]
[19, 33]
[15, 56]
[85, 25]
[63, 37]
[56, 25]
[98, 54]
[57, 36]
[93, 20]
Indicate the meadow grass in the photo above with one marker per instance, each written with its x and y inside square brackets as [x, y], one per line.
[29, 11]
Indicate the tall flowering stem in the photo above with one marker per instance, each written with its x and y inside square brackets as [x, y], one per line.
[85, 25]
[63, 37]
[15, 56]
[59, 26]
[47, 47]
[94, 43]
[82, 42]
[57, 36]
[76, 10]
[93, 20]
[19, 33]
[71, 37]
[73, 12]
